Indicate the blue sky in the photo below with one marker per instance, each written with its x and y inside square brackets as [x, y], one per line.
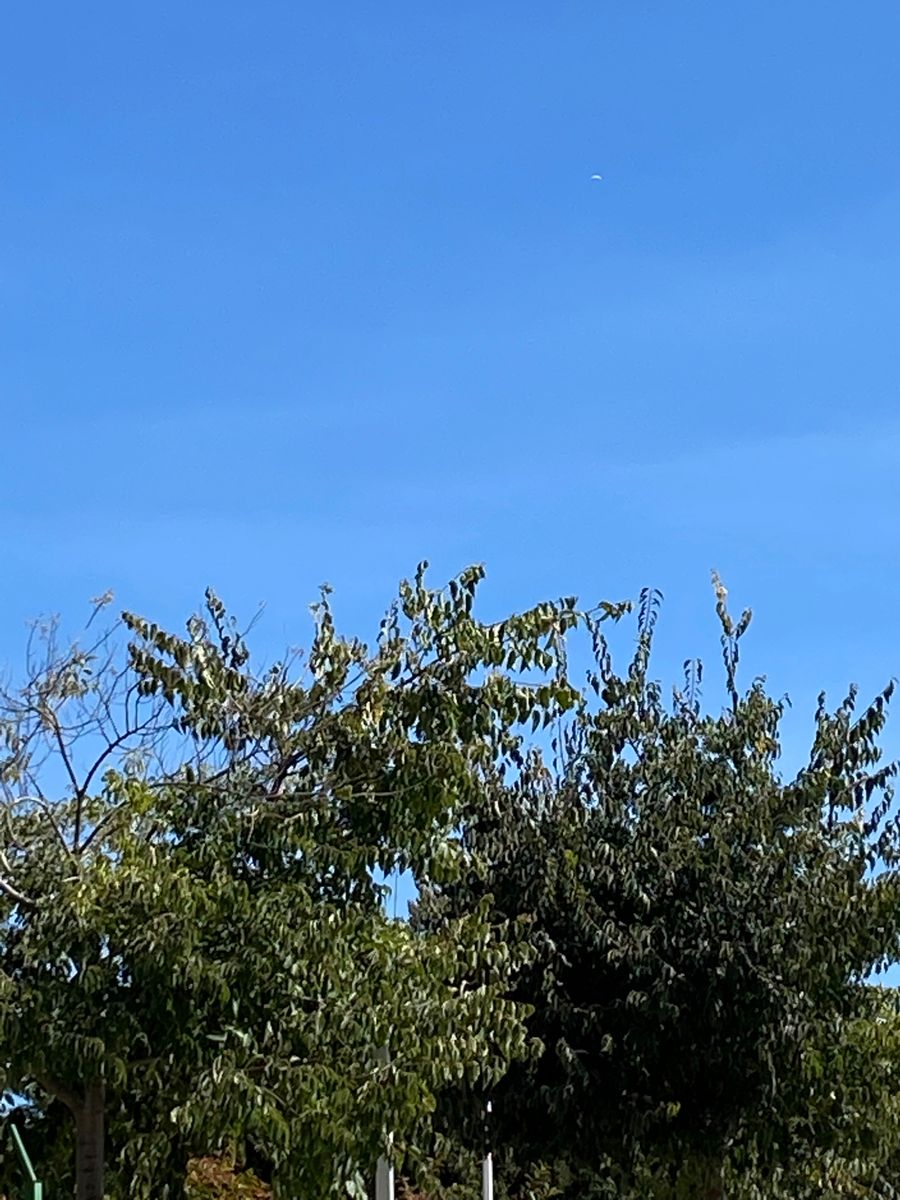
[294, 293]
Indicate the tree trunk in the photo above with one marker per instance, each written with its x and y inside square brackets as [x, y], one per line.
[87, 1109]
[89, 1142]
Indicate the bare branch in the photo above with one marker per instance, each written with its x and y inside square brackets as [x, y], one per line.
[110, 749]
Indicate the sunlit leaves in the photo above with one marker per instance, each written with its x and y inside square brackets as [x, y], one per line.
[199, 839]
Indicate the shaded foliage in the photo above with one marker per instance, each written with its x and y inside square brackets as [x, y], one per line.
[700, 929]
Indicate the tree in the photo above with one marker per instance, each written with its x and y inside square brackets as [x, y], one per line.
[850, 1146]
[193, 949]
[700, 927]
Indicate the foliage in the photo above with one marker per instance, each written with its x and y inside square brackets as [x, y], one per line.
[700, 930]
[216, 1179]
[650, 950]
[192, 942]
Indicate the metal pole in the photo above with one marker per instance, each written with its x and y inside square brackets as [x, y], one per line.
[487, 1178]
[36, 1188]
[384, 1171]
[384, 1180]
[487, 1166]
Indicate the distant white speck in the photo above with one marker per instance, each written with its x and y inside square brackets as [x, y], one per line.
[596, 177]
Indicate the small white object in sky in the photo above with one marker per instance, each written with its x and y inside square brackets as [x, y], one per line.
[596, 177]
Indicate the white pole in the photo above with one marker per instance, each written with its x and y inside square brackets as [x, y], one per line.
[384, 1172]
[487, 1177]
[487, 1166]
[384, 1180]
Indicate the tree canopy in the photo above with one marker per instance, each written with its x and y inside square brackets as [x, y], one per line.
[193, 943]
[701, 930]
[650, 949]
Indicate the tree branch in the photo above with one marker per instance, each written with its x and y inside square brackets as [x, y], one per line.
[70, 771]
[54, 1088]
[12, 892]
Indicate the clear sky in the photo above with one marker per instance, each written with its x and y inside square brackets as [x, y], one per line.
[301, 292]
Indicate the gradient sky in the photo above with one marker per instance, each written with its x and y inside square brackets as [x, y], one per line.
[303, 292]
